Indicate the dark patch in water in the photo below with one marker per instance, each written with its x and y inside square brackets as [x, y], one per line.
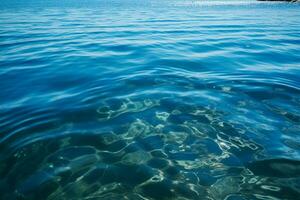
[282, 168]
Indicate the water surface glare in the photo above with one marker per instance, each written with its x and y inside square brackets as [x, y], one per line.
[150, 99]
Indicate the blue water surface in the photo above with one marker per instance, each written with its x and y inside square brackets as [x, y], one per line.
[152, 99]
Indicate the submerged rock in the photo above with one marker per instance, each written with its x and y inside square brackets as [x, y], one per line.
[225, 187]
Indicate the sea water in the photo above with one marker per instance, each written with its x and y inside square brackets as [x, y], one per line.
[153, 99]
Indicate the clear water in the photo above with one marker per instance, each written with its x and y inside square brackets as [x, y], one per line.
[149, 100]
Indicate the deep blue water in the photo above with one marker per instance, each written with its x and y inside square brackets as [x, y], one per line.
[149, 99]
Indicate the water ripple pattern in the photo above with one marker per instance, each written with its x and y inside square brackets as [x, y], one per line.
[151, 99]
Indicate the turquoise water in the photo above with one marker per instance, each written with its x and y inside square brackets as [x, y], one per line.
[149, 100]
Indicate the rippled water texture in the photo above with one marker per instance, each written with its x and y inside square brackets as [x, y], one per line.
[149, 100]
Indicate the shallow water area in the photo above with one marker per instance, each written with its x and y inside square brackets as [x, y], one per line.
[149, 100]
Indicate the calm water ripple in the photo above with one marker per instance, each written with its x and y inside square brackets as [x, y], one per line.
[149, 100]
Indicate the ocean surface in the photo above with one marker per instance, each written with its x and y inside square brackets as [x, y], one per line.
[153, 99]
